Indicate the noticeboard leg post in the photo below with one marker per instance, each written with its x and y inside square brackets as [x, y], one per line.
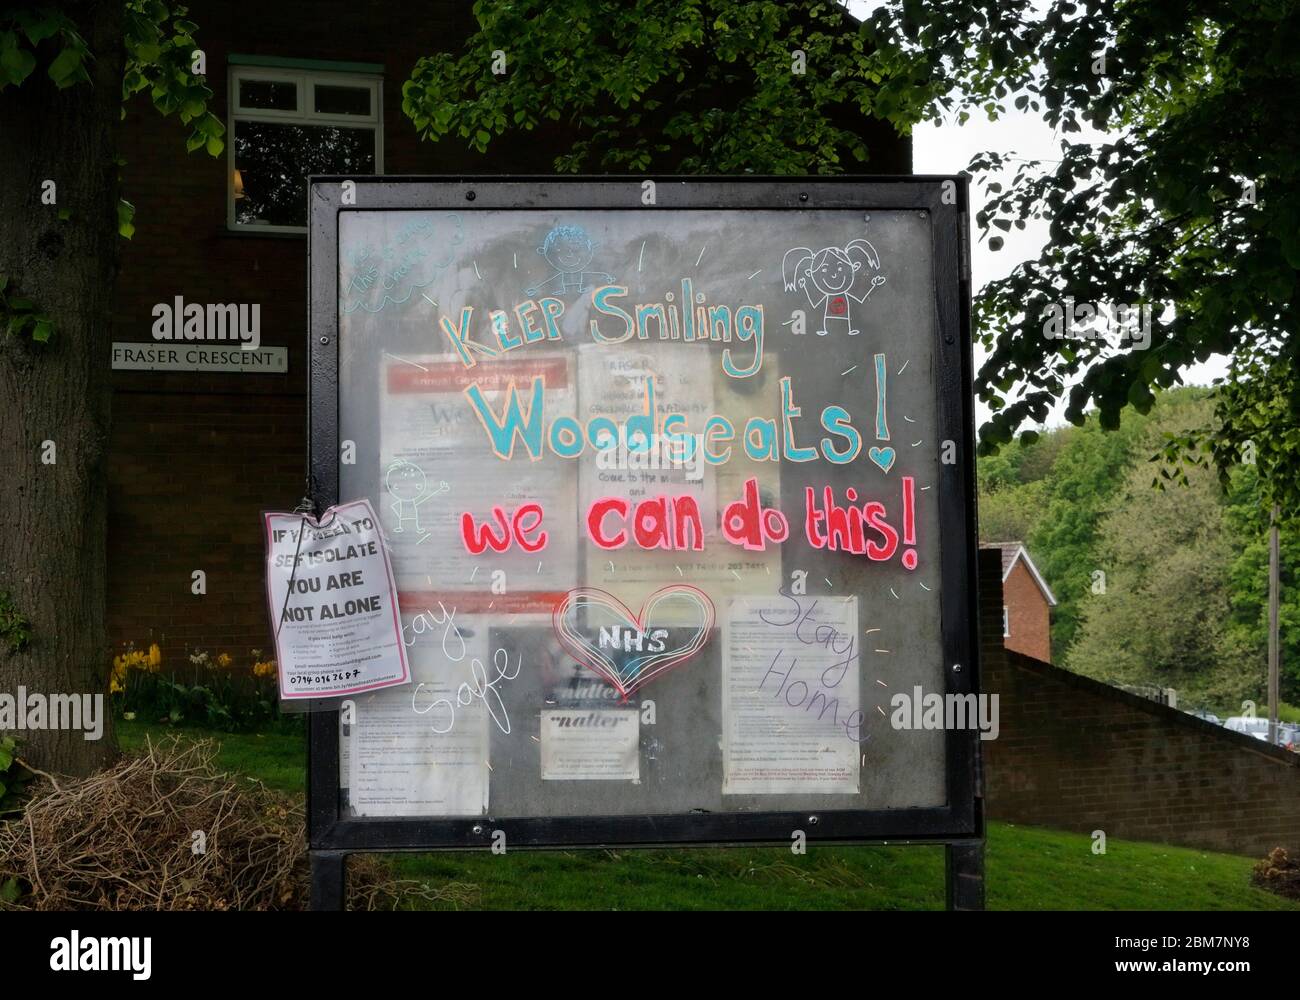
[965, 875]
[329, 877]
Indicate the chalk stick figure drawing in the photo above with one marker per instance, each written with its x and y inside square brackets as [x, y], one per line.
[409, 488]
[833, 277]
[569, 250]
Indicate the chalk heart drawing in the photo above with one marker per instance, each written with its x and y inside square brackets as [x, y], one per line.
[688, 608]
[883, 457]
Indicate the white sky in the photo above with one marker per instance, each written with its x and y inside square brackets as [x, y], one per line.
[948, 148]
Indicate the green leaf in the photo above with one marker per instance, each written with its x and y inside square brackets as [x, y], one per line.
[125, 217]
[65, 67]
[210, 125]
[215, 146]
[38, 29]
[17, 64]
[1139, 395]
[42, 331]
[10, 891]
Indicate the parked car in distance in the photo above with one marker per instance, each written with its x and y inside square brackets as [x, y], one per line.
[1205, 716]
[1288, 735]
[1250, 725]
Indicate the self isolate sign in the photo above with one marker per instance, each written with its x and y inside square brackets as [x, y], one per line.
[333, 603]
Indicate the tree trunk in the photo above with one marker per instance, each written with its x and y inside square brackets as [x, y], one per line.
[54, 397]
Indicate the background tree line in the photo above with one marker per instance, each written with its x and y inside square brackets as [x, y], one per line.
[1183, 602]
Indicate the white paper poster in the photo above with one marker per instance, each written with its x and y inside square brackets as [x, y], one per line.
[423, 750]
[428, 428]
[670, 391]
[591, 744]
[330, 590]
[792, 720]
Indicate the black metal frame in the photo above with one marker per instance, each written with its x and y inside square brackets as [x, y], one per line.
[958, 824]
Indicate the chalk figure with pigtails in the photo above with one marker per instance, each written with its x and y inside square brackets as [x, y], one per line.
[834, 277]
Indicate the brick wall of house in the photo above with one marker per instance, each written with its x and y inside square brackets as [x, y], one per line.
[1079, 755]
[1029, 613]
[190, 501]
[194, 457]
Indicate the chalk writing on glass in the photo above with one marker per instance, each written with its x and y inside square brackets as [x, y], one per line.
[861, 528]
[376, 275]
[426, 621]
[480, 686]
[882, 455]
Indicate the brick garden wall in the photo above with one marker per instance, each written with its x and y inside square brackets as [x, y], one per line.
[1079, 755]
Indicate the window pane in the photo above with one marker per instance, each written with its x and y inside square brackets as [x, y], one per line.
[274, 161]
[331, 100]
[275, 95]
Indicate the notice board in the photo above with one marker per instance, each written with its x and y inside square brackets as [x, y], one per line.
[676, 479]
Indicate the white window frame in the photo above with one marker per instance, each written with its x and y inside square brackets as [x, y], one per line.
[306, 81]
[1006, 622]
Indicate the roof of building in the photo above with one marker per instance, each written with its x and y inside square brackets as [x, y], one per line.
[1013, 552]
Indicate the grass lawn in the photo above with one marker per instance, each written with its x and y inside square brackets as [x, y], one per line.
[1027, 868]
